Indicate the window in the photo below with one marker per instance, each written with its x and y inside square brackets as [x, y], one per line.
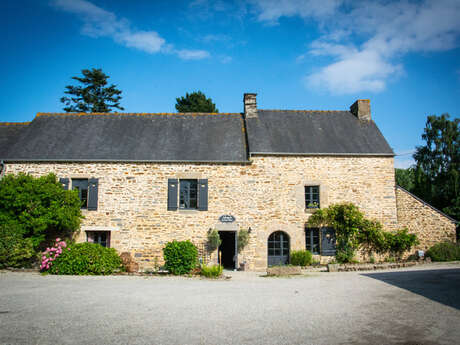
[311, 196]
[188, 194]
[312, 240]
[101, 237]
[81, 185]
[87, 191]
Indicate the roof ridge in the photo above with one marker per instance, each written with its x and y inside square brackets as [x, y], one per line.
[14, 123]
[131, 114]
[304, 111]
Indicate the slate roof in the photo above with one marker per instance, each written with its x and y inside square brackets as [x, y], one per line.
[9, 133]
[314, 132]
[130, 137]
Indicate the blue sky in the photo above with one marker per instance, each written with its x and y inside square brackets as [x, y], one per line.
[402, 55]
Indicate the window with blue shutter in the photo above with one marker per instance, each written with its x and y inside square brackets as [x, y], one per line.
[172, 194]
[188, 194]
[93, 187]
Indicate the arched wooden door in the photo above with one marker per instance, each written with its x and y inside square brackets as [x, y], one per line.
[278, 248]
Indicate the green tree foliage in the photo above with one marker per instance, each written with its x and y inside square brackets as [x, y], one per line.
[405, 178]
[15, 251]
[87, 259]
[180, 257]
[195, 102]
[93, 96]
[243, 239]
[446, 251]
[214, 240]
[38, 208]
[437, 173]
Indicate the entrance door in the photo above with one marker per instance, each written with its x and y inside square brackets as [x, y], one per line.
[278, 248]
[227, 249]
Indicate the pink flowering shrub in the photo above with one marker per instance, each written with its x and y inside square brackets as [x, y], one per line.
[51, 254]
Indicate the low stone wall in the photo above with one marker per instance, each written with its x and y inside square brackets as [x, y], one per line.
[429, 224]
[373, 267]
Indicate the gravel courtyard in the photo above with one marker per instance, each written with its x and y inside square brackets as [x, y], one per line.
[413, 306]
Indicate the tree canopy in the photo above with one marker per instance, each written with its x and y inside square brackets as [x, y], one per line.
[436, 176]
[195, 102]
[93, 96]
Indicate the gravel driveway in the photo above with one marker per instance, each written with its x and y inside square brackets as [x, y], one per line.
[412, 306]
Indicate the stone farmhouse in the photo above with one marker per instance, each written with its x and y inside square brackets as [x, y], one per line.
[146, 179]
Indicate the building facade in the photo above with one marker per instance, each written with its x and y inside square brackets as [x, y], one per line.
[146, 179]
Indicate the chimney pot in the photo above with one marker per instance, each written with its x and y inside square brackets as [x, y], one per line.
[362, 109]
[250, 105]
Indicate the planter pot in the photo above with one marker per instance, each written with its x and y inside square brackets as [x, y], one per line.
[283, 270]
[333, 267]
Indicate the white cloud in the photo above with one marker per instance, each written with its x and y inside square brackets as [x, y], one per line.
[385, 32]
[192, 54]
[98, 22]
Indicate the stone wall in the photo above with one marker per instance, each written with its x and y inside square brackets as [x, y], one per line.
[430, 225]
[266, 195]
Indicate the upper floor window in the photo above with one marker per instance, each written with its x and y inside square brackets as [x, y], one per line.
[81, 185]
[87, 190]
[312, 197]
[187, 194]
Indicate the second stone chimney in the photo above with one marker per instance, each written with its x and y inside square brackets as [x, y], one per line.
[250, 105]
[362, 109]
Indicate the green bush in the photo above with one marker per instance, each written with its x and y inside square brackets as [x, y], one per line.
[345, 255]
[445, 251]
[243, 239]
[399, 242]
[301, 258]
[214, 240]
[213, 271]
[40, 207]
[15, 251]
[87, 259]
[180, 257]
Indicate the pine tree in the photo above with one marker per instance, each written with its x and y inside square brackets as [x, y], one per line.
[93, 96]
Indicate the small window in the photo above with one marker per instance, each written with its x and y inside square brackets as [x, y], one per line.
[81, 185]
[312, 240]
[311, 196]
[188, 192]
[100, 237]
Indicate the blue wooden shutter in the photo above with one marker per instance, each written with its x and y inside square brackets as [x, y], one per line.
[64, 182]
[172, 194]
[327, 241]
[93, 186]
[203, 195]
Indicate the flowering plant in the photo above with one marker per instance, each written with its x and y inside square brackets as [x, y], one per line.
[51, 254]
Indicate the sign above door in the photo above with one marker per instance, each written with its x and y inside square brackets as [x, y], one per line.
[226, 218]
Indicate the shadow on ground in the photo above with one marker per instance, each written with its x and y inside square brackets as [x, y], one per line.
[438, 285]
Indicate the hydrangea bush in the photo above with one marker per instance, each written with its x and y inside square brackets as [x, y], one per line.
[51, 254]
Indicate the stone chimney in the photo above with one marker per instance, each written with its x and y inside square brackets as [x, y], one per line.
[362, 109]
[250, 105]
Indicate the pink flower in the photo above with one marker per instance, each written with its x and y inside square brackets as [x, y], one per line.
[58, 239]
[43, 257]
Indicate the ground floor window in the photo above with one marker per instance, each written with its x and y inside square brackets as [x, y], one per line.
[312, 240]
[320, 241]
[101, 237]
[278, 248]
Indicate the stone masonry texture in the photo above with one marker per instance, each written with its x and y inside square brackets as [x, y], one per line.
[266, 195]
[430, 225]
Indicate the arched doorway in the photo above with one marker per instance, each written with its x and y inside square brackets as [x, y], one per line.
[278, 248]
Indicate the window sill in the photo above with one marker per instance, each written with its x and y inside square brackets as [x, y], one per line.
[192, 211]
